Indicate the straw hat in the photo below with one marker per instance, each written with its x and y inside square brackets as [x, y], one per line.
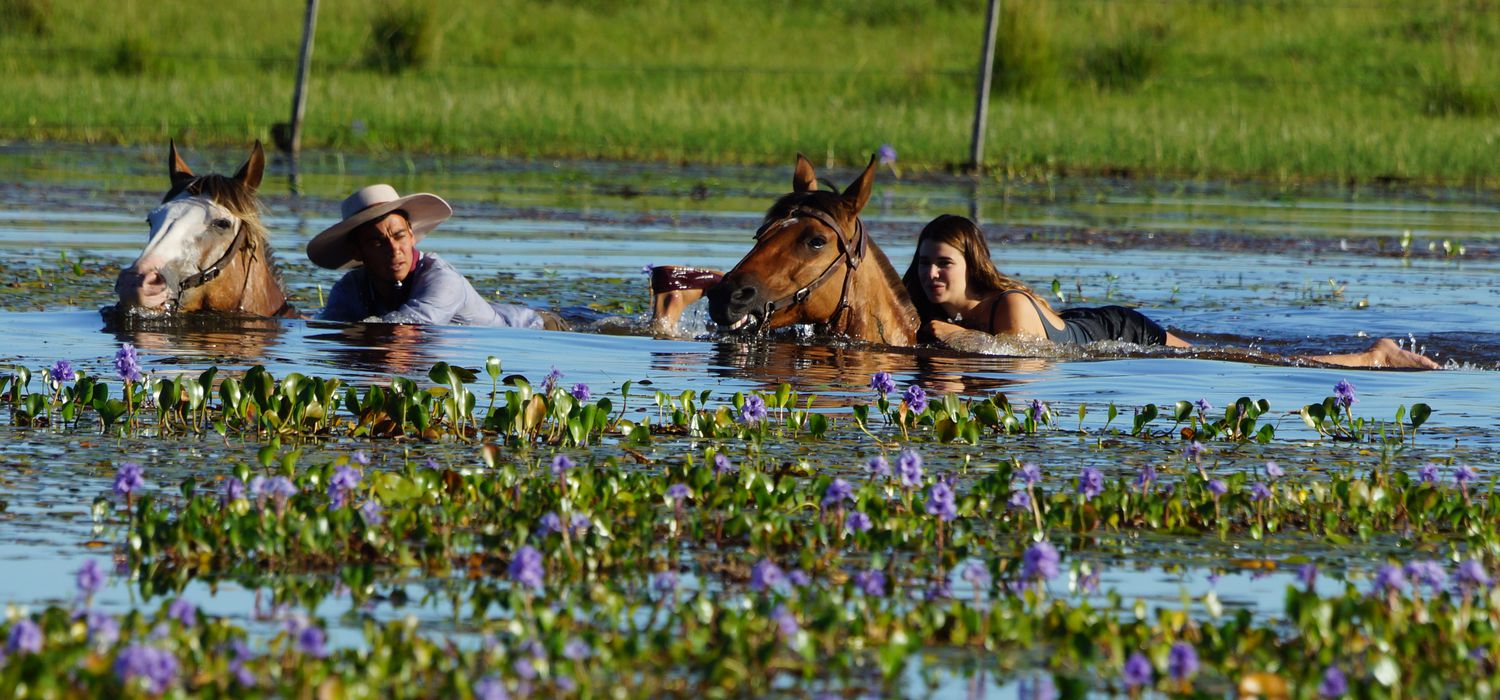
[333, 248]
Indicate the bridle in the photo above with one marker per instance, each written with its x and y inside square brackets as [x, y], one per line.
[851, 254]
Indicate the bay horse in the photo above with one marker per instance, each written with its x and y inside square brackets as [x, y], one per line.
[207, 249]
[814, 263]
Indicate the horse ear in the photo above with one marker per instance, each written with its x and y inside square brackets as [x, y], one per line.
[177, 170]
[858, 192]
[803, 179]
[250, 173]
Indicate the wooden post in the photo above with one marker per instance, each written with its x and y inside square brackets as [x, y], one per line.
[304, 64]
[982, 102]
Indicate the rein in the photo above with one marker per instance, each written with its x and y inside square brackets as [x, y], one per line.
[850, 253]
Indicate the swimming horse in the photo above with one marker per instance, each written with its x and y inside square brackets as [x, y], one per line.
[207, 250]
[814, 263]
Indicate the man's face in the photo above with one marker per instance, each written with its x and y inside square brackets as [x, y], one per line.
[387, 248]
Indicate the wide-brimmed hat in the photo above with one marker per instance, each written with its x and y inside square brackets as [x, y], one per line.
[333, 248]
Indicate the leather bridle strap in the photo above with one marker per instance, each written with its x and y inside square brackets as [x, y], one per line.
[850, 253]
[209, 273]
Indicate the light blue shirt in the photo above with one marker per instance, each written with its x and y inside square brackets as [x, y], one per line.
[440, 295]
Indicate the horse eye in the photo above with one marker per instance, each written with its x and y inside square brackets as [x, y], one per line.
[817, 242]
[221, 223]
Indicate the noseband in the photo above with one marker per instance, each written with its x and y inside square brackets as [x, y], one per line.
[851, 254]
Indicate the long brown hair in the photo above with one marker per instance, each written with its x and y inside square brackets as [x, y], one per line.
[982, 278]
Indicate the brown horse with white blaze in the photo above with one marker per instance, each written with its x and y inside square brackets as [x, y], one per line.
[814, 263]
[207, 249]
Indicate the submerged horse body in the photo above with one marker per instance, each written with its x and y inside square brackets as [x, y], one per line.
[207, 249]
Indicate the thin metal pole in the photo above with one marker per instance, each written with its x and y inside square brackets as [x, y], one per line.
[304, 64]
[982, 102]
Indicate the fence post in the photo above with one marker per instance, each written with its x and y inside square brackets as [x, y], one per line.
[299, 98]
[982, 102]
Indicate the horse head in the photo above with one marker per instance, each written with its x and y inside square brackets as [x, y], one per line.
[810, 254]
[206, 249]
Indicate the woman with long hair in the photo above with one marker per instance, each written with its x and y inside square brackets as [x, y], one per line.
[959, 293]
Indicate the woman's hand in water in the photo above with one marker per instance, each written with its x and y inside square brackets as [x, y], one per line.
[939, 332]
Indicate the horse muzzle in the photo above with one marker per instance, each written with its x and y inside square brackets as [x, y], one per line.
[147, 293]
[738, 306]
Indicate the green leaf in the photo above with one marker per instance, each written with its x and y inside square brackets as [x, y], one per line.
[1420, 412]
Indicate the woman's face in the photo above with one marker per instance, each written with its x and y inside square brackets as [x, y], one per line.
[943, 273]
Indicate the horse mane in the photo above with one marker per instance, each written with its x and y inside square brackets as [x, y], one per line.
[241, 201]
[835, 205]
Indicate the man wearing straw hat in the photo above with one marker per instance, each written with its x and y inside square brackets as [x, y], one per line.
[391, 281]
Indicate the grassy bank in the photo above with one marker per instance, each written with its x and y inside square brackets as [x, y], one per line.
[1275, 89]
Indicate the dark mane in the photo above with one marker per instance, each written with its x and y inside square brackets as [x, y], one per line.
[241, 201]
[829, 202]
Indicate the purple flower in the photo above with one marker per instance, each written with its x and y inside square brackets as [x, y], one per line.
[722, 465]
[786, 623]
[977, 575]
[886, 153]
[577, 650]
[664, 583]
[1040, 562]
[1274, 471]
[909, 469]
[1344, 393]
[126, 365]
[234, 489]
[871, 582]
[678, 492]
[1146, 477]
[838, 492]
[344, 480]
[1334, 684]
[312, 641]
[1137, 671]
[1090, 483]
[237, 666]
[1203, 405]
[940, 501]
[129, 478]
[370, 511]
[581, 392]
[1426, 572]
[364, 459]
[1182, 661]
[183, 612]
[799, 578]
[550, 382]
[490, 688]
[1308, 575]
[1428, 473]
[25, 636]
[549, 523]
[1390, 579]
[1020, 500]
[526, 567]
[882, 383]
[1193, 451]
[754, 410]
[278, 488]
[858, 522]
[62, 371]
[1463, 475]
[139, 663]
[1217, 487]
[90, 579]
[525, 668]
[915, 398]
[1259, 492]
[879, 468]
[1030, 473]
[1038, 411]
[766, 575]
[1471, 575]
[561, 464]
[103, 628]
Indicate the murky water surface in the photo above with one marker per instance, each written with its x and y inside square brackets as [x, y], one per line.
[1279, 271]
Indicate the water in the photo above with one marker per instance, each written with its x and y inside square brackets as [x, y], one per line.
[1227, 265]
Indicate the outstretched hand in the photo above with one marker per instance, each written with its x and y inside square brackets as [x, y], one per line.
[939, 332]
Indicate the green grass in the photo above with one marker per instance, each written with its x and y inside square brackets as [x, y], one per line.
[1284, 90]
